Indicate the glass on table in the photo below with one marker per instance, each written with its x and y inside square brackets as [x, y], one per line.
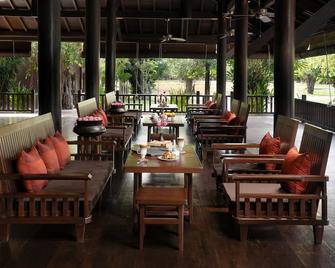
[181, 144]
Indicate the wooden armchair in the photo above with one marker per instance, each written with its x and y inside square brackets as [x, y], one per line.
[202, 120]
[286, 128]
[192, 111]
[218, 133]
[133, 115]
[259, 198]
[121, 134]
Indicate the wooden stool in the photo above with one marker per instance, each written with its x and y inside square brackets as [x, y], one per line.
[147, 197]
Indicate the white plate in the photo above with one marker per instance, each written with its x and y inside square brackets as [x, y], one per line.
[169, 160]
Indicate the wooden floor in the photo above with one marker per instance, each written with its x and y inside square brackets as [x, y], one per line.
[210, 241]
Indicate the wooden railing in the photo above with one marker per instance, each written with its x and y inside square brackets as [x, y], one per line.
[315, 113]
[17, 102]
[28, 102]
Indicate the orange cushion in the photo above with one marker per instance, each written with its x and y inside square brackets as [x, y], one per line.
[208, 103]
[62, 149]
[104, 117]
[31, 163]
[49, 156]
[297, 164]
[99, 114]
[213, 105]
[269, 145]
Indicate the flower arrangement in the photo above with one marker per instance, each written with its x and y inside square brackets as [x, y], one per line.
[89, 119]
[117, 103]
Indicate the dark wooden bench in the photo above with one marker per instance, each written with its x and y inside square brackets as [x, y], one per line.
[70, 195]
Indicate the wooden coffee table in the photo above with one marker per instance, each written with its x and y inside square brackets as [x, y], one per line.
[188, 163]
[174, 125]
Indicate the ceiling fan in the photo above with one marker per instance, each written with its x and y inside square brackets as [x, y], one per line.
[260, 13]
[169, 37]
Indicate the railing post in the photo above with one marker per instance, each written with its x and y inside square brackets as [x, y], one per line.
[117, 95]
[198, 97]
[32, 101]
[304, 97]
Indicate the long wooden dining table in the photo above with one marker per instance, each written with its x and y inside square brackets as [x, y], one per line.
[187, 164]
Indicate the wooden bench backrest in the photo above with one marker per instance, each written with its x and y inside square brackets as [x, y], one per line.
[21, 136]
[244, 113]
[286, 128]
[87, 107]
[110, 97]
[316, 142]
[235, 106]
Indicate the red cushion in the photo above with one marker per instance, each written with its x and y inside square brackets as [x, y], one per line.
[99, 114]
[269, 145]
[104, 117]
[298, 164]
[231, 120]
[213, 105]
[49, 156]
[208, 103]
[31, 163]
[62, 149]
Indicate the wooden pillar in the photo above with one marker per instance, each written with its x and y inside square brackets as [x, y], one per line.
[284, 57]
[241, 51]
[207, 78]
[111, 45]
[92, 48]
[49, 39]
[221, 75]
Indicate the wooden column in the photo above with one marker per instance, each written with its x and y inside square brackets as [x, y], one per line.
[284, 57]
[111, 45]
[241, 51]
[221, 75]
[92, 48]
[49, 38]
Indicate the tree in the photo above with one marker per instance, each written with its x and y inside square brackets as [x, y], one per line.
[309, 71]
[328, 70]
[8, 69]
[187, 70]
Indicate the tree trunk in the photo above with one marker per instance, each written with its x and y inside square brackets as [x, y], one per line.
[311, 80]
[189, 84]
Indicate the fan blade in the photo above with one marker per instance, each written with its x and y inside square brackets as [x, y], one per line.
[265, 19]
[177, 39]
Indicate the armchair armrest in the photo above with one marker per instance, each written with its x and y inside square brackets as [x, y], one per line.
[234, 146]
[55, 177]
[281, 156]
[254, 160]
[279, 178]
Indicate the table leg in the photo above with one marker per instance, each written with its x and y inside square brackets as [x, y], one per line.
[136, 186]
[149, 131]
[177, 131]
[188, 186]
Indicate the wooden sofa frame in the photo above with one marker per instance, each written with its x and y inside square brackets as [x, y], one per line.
[285, 208]
[17, 207]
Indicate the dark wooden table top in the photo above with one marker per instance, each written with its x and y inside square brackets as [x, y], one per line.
[187, 163]
[175, 123]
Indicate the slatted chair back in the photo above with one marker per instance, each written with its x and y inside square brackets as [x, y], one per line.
[244, 113]
[87, 107]
[110, 98]
[316, 142]
[286, 128]
[21, 136]
[235, 106]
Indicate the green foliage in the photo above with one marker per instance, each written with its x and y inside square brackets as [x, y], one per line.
[260, 74]
[309, 71]
[71, 56]
[8, 69]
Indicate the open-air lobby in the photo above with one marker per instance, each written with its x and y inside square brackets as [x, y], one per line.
[177, 133]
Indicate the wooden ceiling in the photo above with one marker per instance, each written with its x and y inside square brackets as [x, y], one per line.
[142, 23]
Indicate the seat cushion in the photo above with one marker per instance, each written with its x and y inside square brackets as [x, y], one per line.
[100, 170]
[255, 188]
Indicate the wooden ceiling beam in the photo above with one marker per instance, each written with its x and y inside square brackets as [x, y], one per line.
[319, 19]
[125, 14]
